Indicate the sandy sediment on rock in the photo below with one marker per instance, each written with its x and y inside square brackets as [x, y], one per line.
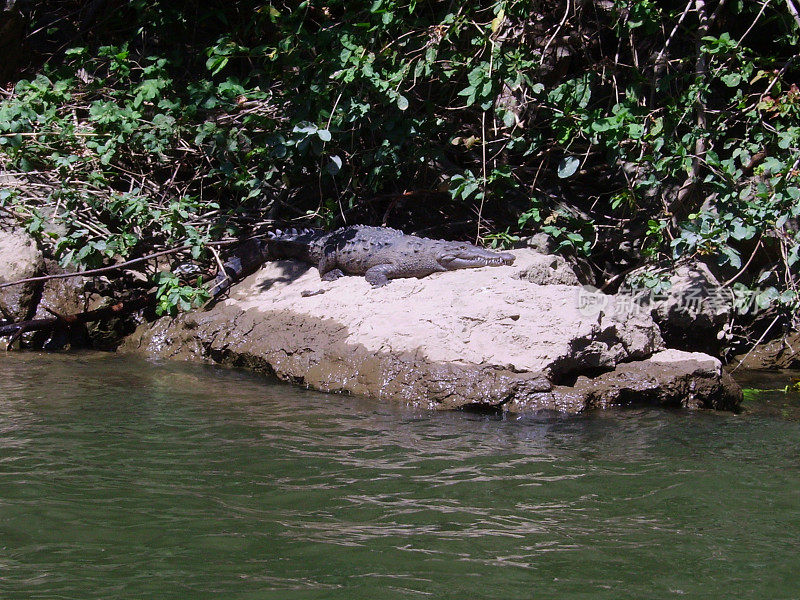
[487, 337]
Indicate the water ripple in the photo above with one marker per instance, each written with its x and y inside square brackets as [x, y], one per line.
[125, 479]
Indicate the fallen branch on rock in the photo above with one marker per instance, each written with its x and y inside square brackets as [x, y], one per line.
[121, 265]
[16, 330]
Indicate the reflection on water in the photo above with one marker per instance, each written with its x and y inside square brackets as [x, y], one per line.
[125, 479]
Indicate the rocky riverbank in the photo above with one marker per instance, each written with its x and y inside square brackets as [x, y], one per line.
[525, 337]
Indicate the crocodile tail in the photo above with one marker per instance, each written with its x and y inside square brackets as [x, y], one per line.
[292, 243]
[245, 259]
[250, 255]
[294, 235]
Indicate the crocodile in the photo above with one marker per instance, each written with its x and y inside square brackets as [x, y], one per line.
[377, 253]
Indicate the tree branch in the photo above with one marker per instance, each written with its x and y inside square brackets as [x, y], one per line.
[122, 265]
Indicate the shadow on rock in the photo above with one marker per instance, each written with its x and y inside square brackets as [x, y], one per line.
[289, 271]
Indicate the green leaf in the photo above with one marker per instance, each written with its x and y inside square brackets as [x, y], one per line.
[731, 79]
[334, 166]
[742, 231]
[635, 131]
[305, 127]
[216, 63]
[568, 166]
[731, 256]
[766, 298]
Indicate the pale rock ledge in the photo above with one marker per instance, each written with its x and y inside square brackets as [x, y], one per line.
[479, 338]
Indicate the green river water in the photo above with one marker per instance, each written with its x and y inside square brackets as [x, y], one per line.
[126, 479]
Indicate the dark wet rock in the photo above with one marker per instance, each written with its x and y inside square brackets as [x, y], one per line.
[670, 378]
[62, 296]
[20, 258]
[312, 353]
[782, 353]
[693, 312]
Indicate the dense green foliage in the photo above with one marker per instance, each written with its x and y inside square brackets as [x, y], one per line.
[627, 130]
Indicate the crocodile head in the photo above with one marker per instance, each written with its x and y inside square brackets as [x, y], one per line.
[466, 256]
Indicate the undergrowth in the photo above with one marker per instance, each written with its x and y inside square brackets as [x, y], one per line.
[632, 132]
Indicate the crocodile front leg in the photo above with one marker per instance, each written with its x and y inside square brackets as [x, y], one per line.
[379, 275]
[327, 268]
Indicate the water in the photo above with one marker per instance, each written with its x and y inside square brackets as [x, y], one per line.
[124, 479]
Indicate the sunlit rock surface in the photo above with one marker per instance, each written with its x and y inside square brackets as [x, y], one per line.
[19, 259]
[693, 311]
[475, 338]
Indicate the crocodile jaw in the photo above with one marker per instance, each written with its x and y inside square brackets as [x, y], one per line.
[469, 257]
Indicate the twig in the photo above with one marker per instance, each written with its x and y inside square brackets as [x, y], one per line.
[555, 33]
[793, 9]
[333, 111]
[15, 336]
[744, 268]
[763, 335]
[218, 260]
[483, 151]
[15, 330]
[37, 133]
[485, 179]
[660, 55]
[753, 24]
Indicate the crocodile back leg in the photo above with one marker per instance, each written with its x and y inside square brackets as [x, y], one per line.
[332, 275]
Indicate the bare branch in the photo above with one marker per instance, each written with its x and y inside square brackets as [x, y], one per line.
[122, 265]
[793, 9]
